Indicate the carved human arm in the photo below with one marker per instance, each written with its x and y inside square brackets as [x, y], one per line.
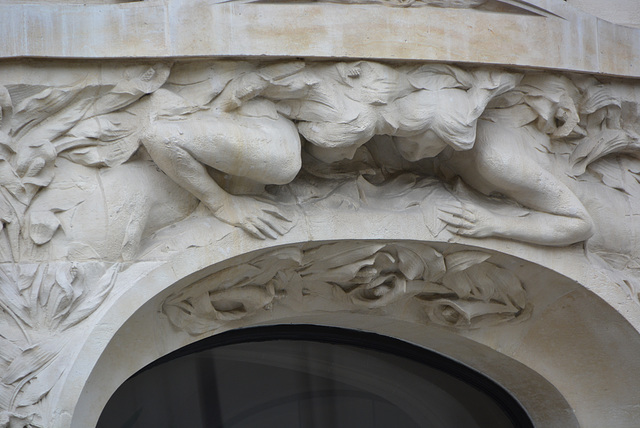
[501, 162]
[264, 150]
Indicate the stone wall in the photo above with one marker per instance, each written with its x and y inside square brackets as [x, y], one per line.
[460, 175]
[623, 12]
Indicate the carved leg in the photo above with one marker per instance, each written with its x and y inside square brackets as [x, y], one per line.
[500, 164]
[179, 147]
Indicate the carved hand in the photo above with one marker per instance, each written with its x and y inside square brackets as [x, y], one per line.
[260, 219]
[462, 220]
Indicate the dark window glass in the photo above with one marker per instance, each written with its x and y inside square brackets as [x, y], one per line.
[308, 378]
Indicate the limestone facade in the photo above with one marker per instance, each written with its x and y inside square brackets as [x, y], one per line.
[462, 175]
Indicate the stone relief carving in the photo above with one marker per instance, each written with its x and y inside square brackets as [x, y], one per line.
[94, 172]
[42, 306]
[459, 290]
[482, 152]
[86, 123]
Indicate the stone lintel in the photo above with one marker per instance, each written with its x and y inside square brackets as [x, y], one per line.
[555, 36]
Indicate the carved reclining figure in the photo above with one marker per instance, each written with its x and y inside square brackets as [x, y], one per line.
[504, 160]
[254, 145]
[339, 107]
[248, 133]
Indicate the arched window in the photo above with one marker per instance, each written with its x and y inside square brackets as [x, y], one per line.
[309, 377]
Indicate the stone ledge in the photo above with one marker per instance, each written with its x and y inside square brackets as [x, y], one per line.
[184, 29]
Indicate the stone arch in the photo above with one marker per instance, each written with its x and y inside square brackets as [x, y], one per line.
[549, 348]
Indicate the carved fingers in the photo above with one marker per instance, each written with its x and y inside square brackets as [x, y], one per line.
[463, 220]
[259, 219]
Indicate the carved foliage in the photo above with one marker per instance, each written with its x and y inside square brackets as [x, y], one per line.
[238, 291]
[78, 122]
[461, 289]
[40, 306]
[394, 123]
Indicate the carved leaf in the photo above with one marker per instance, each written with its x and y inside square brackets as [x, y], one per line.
[95, 153]
[62, 293]
[40, 385]
[108, 127]
[66, 118]
[598, 145]
[109, 139]
[597, 97]
[87, 155]
[9, 351]
[410, 264]
[33, 110]
[344, 274]
[462, 260]
[320, 259]
[90, 301]
[508, 288]
[201, 82]
[420, 261]
[460, 283]
[611, 174]
[488, 283]
[281, 260]
[32, 360]
[231, 277]
[10, 180]
[127, 91]
[10, 296]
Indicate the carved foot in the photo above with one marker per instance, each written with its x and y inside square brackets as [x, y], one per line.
[259, 219]
[463, 220]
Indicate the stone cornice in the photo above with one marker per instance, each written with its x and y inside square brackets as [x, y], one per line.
[570, 39]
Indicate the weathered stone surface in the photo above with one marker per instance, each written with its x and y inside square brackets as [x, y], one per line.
[530, 33]
[407, 173]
